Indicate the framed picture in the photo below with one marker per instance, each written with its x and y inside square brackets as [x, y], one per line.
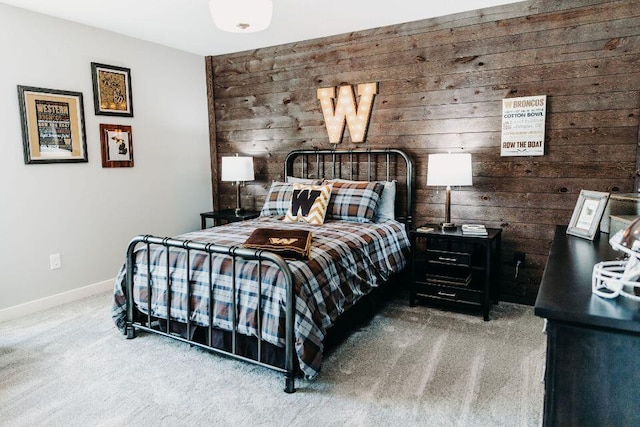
[587, 214]
[111, 90]
[52, 125]
[116, 144]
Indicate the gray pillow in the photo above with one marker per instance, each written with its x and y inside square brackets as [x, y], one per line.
[387, 203]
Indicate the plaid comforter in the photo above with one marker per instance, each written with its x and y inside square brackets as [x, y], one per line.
[347, 261]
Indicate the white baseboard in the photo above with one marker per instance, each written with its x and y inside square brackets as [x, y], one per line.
[54, 300]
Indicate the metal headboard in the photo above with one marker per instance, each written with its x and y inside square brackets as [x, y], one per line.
[364, 165]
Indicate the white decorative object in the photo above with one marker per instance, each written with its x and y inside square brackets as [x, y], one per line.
[241, 16]
[613, 278]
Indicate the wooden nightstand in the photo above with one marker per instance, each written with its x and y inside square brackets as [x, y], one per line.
[451, 267]
[226, 215]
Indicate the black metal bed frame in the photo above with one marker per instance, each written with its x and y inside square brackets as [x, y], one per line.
[236, 252]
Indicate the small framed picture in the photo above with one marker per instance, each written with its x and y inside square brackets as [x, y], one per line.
[52, 125]
[587, 214]
[111, 90]
[116, 144]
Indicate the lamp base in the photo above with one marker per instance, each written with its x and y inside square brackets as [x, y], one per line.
[447, 224]
[239, 210]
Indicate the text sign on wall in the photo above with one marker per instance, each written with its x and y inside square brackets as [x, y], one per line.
[523, 121]
[345, 110]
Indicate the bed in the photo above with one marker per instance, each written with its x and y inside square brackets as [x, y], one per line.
[211, 289]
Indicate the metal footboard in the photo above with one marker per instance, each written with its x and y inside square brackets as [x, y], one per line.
[210, 250]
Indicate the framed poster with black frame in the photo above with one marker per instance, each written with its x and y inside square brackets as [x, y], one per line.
[111, 90]
[116, 144]
[53, 129]
[587, 214]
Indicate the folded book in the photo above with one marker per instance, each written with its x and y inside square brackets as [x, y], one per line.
[289, 244]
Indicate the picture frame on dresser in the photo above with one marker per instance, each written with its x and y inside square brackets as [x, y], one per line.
[585, 220]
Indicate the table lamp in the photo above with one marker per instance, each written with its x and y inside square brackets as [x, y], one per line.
[447, 170]
[238, 169]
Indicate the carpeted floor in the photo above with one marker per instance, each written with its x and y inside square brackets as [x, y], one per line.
[409, 366]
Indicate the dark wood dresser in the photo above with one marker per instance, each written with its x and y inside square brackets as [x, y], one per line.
[593, 344]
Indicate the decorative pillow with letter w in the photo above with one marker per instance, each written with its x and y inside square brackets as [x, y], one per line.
[309, 203]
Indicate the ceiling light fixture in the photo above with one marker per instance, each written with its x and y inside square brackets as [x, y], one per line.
[241, 16]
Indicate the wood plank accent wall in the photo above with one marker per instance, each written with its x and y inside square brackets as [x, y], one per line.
[209, 67]
[441, 82]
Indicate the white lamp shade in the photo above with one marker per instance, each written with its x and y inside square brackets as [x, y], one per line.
[449, 169]
[241, 16]
[237, 169]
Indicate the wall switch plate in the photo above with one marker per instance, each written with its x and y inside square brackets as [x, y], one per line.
[55, 261]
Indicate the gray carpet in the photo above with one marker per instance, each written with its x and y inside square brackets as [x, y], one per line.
[408, 366]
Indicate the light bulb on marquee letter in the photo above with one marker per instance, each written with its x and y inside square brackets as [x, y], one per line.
[345, 110]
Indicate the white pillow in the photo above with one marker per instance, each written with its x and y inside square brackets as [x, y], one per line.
[387, 204]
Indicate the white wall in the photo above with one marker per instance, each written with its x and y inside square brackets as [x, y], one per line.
[84, 212]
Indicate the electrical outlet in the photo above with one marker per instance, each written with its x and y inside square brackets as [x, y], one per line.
[55, 261]
[518, 257]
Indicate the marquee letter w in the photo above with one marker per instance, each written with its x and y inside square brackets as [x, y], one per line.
[345, 109]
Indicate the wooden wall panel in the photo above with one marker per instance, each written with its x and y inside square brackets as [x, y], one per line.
[213, 151]
[441, 82]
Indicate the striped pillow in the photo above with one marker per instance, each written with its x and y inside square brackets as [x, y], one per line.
[278, 200]
[354, 201]
[309, 203]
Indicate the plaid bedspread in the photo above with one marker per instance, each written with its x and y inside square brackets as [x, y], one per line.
[347, 261]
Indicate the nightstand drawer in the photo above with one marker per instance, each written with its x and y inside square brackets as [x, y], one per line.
[435, 290]
[461, 259]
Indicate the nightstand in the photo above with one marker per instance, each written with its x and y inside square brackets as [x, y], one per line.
[453, 268]
[226, 215]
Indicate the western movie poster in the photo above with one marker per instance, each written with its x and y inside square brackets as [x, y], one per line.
[523, 123]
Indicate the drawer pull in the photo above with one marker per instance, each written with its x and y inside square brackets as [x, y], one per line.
[446, 294]
[441, 258]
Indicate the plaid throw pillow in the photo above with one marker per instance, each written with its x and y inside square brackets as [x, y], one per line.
[387, 204]
[278, 200]
[309, 203]
[356, 201]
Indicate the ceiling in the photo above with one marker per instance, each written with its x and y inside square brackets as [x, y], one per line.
[187, 24]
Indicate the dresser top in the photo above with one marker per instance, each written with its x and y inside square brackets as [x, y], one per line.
[565, 291]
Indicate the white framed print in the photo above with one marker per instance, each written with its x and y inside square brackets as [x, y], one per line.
[587, 214]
